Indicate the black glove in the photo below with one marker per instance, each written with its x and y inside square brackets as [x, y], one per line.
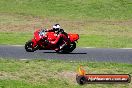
[61, 30]
[47, 41]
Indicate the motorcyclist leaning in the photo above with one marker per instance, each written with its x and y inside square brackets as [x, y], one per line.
[56, 28]
[60, 35]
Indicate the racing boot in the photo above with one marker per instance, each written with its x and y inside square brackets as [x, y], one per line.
[60, 47]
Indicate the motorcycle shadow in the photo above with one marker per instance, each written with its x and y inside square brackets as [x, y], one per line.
[65, 53]
[72, 53]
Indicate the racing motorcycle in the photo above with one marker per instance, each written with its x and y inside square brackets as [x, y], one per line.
[41, 38]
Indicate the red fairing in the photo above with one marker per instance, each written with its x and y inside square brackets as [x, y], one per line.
[36, 35]
[58, 38]
[73, 37]
[51, 36]
[34, 42]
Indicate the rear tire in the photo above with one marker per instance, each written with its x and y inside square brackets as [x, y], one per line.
[72, 46]
[67, 49]
[28, 46]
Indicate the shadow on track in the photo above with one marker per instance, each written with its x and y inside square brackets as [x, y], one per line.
[64, 53]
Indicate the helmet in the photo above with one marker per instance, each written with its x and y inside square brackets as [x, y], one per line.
[56, 27]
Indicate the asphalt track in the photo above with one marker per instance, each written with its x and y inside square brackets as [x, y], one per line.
[79, 54]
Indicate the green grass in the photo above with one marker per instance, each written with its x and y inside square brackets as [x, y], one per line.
[100, 23]
[55, 73]
[14, 38]
[18, 84]
[72, 9]
[90, 40]
[105, 41]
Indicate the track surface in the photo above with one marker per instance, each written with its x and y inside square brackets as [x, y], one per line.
[82, 54]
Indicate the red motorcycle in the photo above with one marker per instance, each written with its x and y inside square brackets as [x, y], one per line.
[41, 38]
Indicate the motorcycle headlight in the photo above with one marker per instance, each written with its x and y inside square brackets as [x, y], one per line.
[40, 36]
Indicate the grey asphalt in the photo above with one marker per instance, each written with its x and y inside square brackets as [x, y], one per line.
[79, 54]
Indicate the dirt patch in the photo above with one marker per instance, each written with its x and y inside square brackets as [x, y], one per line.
[71, 76]
[15, 28]
[21, 23]
[8, 75]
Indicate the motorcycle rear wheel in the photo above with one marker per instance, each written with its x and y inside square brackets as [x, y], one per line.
[72, 46]
[67, 49]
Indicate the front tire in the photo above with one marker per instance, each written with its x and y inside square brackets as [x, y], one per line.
[29, 46]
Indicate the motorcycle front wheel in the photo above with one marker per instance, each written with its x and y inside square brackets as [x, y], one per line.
[29, 46]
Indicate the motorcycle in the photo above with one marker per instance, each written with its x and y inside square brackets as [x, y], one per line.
[41, 38]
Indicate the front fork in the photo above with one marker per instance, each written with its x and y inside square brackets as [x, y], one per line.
[34, 42]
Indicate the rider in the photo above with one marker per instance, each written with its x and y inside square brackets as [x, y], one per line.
[57, 29]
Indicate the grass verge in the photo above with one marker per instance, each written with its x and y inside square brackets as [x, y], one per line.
[17, 29]
[14, 38]
[102, 23]
[90, 40]
[55, 73]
